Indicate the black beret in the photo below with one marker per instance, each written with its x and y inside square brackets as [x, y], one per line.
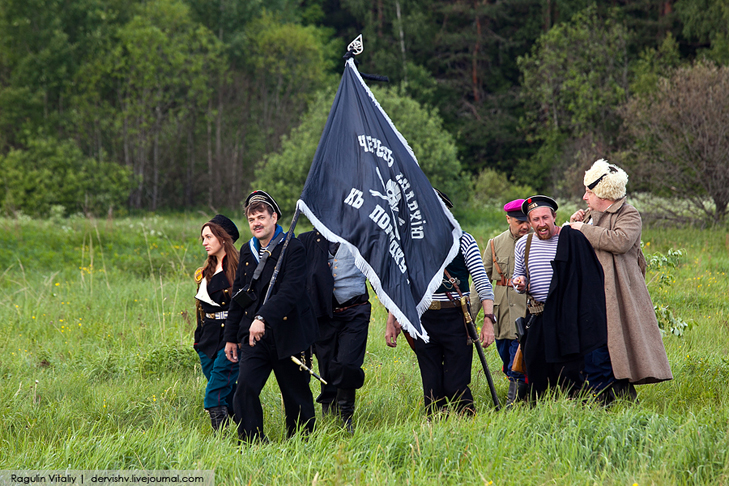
[229, 226]
[538, 201]
[264, 197]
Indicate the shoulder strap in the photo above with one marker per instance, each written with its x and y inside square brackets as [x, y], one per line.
[266, 253]
[453, 281]
[493, 257]
[526, 258]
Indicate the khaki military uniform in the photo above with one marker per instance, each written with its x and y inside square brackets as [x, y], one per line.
[508, 304]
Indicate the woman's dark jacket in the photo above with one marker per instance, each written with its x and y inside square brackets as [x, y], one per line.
[209, 332]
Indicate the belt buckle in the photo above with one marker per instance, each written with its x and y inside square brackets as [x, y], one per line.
[435, 305]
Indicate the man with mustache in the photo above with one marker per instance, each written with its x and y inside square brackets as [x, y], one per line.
[262, 337]
[498, 259]
[566, 300]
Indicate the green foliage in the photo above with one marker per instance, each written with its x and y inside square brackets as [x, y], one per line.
[574, 80]
[166, 358]
[54, 172]
[192, 94]
[707, 21]
[284, 173]
[575, 71]
[95, 251]
[288, 64]
[492, 186]
[661, 263]
[668, 322]
[661, 266]
[679, 139]
[653, 65]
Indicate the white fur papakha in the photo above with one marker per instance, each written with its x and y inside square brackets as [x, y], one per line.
[612, 186]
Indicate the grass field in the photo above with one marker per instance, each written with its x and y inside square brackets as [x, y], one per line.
[97, 372]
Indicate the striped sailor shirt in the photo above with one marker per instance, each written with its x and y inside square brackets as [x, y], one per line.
[474, 263]
[541, 255]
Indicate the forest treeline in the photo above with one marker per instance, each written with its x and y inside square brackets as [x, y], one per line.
[155, 104]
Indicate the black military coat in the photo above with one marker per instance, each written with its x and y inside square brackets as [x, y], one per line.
[319, 281]
[210, 331]
[287, 313]
[575, 318]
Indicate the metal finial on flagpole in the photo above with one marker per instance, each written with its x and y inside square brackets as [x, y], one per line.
[356, 47]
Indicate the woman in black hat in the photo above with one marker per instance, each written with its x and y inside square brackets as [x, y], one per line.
[214, 281]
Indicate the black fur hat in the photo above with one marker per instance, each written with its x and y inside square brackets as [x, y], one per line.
[228, 225]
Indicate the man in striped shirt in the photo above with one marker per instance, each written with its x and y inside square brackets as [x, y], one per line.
[445, 360]
[567, 305]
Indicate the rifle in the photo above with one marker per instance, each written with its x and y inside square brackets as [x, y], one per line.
[276, 269]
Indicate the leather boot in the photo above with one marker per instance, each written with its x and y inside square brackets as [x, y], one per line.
[328, 408]
[511, 394]
[345, 404]
[522, 391]
[218, 416]
[625, 389]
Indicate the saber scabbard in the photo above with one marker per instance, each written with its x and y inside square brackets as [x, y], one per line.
[471, 328]
[306, 368]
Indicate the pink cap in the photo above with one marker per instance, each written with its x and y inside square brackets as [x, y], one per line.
[514, 205]
[513, 209]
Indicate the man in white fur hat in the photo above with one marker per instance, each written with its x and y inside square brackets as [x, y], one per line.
[613, 227]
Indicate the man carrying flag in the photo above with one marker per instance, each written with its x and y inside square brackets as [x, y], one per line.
[338, 293]
[366, 191]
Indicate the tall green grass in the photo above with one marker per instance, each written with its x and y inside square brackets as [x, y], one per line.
[97, 372]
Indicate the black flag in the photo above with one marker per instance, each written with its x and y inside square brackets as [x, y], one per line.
[366, 190]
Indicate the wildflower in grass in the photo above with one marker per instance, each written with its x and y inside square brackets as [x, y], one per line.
[57, 284]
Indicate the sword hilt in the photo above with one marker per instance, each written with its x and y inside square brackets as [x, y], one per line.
[303, 367]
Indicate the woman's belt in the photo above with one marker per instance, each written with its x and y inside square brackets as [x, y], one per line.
[217, 315]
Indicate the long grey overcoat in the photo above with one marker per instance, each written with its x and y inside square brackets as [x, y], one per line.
[634, 339]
